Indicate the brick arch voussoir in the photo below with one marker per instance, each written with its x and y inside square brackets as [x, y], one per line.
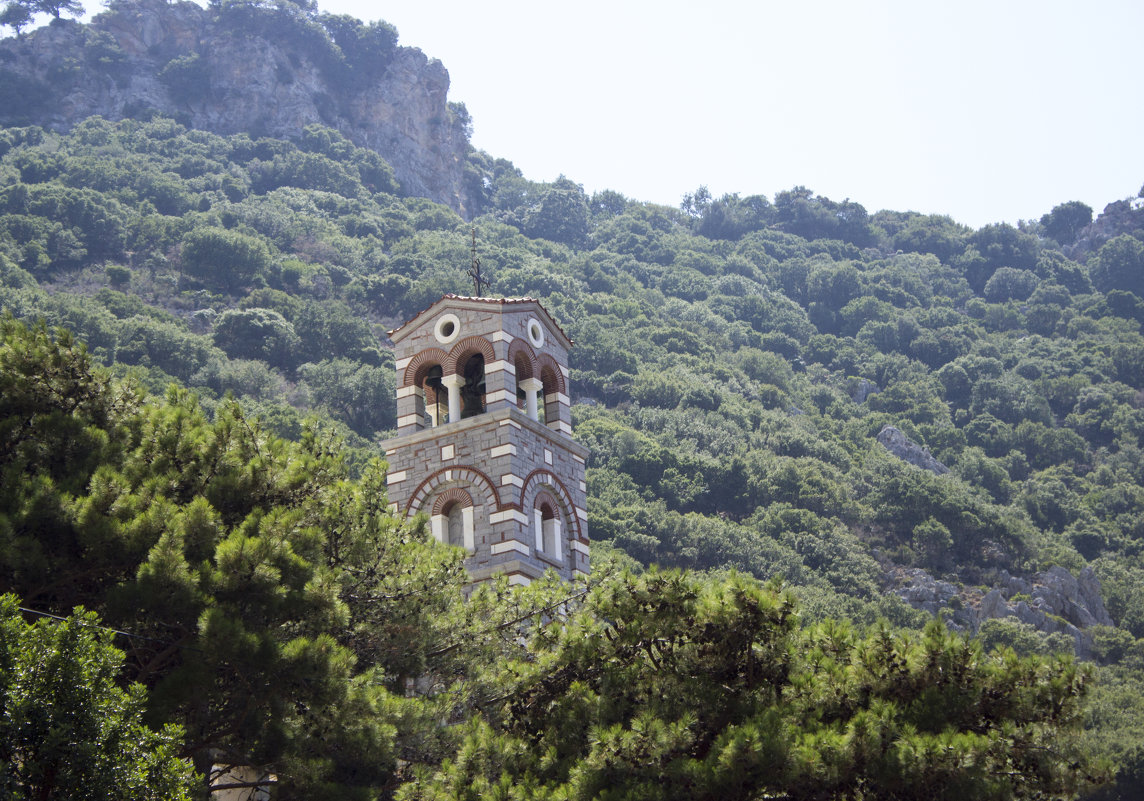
[416, 369]
[546, 495]
[520, 347]
[469, 477]
[449, 496]
[540, 480]
[467, 347]
[545, 363]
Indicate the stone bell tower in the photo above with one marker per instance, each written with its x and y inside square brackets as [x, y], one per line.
[484, 443]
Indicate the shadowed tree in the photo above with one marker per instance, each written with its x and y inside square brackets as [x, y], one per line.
[57, 7]
[16, 16]
[67, 729]
[1065, 221]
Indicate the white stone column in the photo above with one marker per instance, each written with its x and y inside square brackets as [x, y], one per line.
[531, 387]
[467, 526]
[454, 383]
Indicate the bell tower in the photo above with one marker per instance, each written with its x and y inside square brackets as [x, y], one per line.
[484, 440]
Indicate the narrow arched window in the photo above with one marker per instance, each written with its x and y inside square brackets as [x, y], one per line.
[452, 521]
[548, 529]
[473, 390]
[456, 525]
[436, 398]
[548, 395]
[523, 371]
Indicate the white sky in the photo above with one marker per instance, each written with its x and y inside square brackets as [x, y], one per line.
[983, 110]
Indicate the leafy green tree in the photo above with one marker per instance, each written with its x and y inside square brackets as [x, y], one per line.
[16, 15]
[1053, 266]
[358, 394]
[996, 246]
[258, 334]
[938, 235]
[607, 203]
[1065, 221]
[665, 687]
[560, 213]
[67, 729]
[223, 259]
[312, 171]
[1119, 264]
[800, 211]
[366, 47]
[933, 543]
[260, 583]
[1009, 283]
[186, 77]
[1022, 638]
[57, 7]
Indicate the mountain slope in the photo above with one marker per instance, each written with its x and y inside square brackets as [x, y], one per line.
[244, 67]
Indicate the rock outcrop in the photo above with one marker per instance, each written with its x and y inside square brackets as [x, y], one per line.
[901, 446]
[863, 389]
[270, 74]
[1052, 601]
[1119, 217]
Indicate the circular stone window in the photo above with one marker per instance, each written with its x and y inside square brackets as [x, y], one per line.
[447, 328]
[535, 333]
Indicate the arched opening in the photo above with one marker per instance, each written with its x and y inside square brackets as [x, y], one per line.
[455, 526]
[452, 521]
[547, 408]
[473, 388]
[548, 528]
[523, 370]
[436, 397]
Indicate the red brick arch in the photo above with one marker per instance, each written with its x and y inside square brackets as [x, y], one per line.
[550, 374]
[544, 495]
[450, 478]
[521, 348]
[466, 348]
[545, 481]
[449, 496]
[417, 368]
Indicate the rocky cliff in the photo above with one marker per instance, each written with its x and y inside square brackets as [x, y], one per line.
[1119, 217]
[898, 444]
[1051, 601]
[267, 71]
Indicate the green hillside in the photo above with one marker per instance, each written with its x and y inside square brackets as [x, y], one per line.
[736, 360]
[282, 630]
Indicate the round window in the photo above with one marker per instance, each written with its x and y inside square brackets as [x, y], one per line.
[535, 333]
[447, 328]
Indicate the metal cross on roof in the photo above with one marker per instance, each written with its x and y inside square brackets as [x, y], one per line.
[475, 270]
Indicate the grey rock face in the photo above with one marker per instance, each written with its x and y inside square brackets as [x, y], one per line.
[1118, 217]
[1052, 601]
[897, 443]
[923, 591]
[864, 390]
[265, 85]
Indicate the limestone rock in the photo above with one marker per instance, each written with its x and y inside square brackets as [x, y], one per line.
[863, 390]
[923, 591]
[897, 443]
[1052, 601]
[269, 83]
[1118, 217]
